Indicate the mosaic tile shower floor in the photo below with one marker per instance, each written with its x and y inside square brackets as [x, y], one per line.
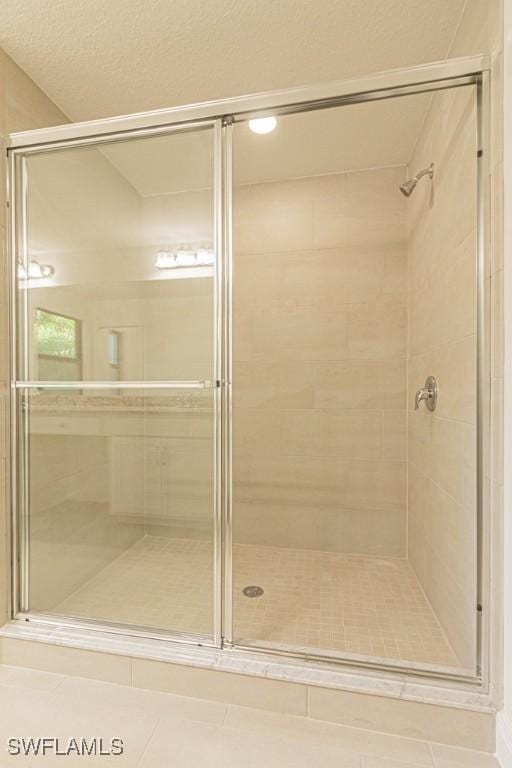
[349, 604]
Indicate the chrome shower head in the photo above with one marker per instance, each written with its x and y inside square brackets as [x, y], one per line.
[408, 187]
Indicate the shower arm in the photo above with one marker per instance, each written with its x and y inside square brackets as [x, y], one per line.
[426, 171]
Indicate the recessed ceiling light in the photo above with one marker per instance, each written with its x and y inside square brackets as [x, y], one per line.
[262, 124]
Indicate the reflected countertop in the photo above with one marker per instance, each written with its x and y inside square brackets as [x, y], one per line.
[76, 404]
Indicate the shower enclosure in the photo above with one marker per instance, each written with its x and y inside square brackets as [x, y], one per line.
[223, 428]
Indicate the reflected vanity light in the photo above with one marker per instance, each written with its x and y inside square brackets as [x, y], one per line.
[262, 125]
[182, 259]
[35, 271]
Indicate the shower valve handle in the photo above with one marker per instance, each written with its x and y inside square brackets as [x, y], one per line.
[428, 393]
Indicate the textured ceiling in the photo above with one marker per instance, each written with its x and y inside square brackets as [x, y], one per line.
[101, 58]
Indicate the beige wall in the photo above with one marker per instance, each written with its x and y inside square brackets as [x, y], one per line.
[319, 363]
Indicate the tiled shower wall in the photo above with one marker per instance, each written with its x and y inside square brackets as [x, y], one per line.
[442, 242]
[441, 245]
[320, 363]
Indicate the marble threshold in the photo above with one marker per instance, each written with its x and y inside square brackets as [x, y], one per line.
[395, 685]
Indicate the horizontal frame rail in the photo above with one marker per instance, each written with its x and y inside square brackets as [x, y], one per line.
[200, 384]
[380, 85]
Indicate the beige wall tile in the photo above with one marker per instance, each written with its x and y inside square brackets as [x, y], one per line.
[373, 215]
[380, 532]
[258, 431]
[300, 333]
[474, 730]
[394, 435]
[451, 757]
[263, 384]
[358, 384]
[373, 485]
[303, 190]
[394, 278]
[377, 331]
[310, 481]
[319, 358]
[454, 366]
[287, 228]
[335, 277]
[220, 686]
[65, 660]
[342, 433]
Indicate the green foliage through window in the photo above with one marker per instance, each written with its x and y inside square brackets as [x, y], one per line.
[56, 335]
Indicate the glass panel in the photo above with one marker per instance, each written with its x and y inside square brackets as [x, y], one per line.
[121, 495]
[353, 512]
[116, 286]
[119, 258]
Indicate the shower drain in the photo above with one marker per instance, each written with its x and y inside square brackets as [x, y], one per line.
[253, 591]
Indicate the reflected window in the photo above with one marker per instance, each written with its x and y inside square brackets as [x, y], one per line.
[114, 355]
[58, 340]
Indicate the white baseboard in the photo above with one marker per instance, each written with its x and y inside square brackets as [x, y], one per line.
[504, 740]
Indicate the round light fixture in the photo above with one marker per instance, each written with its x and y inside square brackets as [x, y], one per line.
[262, 124]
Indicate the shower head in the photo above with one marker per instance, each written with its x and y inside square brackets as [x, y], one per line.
[408, 187]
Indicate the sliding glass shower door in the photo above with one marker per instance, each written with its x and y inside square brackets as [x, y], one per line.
[355, 254]
[225, 332]
[116, 371]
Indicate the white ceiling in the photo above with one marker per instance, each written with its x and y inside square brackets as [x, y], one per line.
[100, 58]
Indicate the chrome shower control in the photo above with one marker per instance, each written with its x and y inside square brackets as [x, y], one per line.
[428, 393]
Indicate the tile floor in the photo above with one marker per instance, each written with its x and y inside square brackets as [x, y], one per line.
[161, 729]
[348, 604]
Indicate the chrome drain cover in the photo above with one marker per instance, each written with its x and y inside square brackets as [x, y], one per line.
[253, 591]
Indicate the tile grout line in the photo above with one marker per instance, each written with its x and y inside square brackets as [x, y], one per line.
[158, 722]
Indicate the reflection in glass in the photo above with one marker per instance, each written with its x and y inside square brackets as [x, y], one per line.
[58, 341]
[121, 498]
[116, 482]
[102, 217]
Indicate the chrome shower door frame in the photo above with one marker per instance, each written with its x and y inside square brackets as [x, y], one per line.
[21, 383]
[224, 113]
